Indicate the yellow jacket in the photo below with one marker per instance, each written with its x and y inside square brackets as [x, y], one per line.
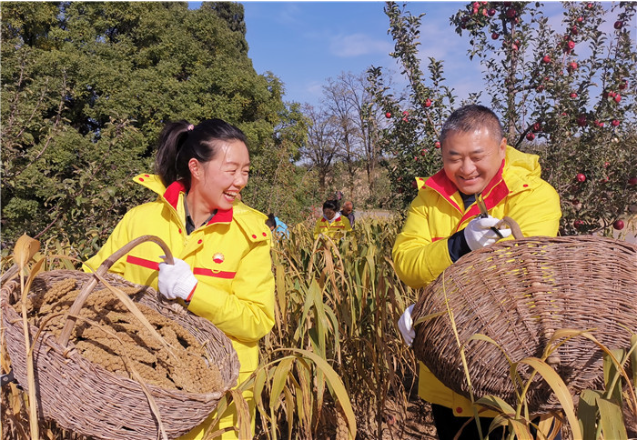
[420, 251]
[335, 229]
[230, 257]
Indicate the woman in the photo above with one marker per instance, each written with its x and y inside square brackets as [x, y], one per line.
[222, 269]
[332, 224]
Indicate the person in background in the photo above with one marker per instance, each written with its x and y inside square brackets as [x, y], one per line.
[222, 269]
[277, 227]
[347, 211]
[443, 224]
[332, 224]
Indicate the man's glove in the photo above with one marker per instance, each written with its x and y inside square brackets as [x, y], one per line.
[176, 280]
[479, 232]
[405, 326]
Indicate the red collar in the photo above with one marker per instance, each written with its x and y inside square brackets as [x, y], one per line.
[179, 186]
[495, 191]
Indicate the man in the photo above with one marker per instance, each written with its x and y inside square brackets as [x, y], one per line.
[347, 211]
[442, 225]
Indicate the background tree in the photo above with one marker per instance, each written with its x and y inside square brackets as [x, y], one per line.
[322, 144]
[86, 88]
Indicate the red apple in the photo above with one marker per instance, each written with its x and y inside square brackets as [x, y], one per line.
[388, 115]
[530, 136]
[581, 177]
[414, 184]
[416, 158]
[618, 25]
[405, 112]
[574, 30]
[623, 85]
[510, 13]
[572, 66]
[615, 122]
[571, 45]
[579, 224]
[495, 36]
[611, 94]
[580, 19]
[423, 152]
[491, 12]
[619, 224]
[617, 98]
[437, 144]
[400, 190]
[547, 59]
[632, 181]
[590, 5]
[536, 127]
[428, 102]
[573, 95]
[582, 121]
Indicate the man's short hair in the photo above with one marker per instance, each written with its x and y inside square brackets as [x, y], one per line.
[471, 118]
[331, 204]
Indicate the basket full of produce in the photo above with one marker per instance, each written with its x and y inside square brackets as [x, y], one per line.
[115, 360]
[522, 294]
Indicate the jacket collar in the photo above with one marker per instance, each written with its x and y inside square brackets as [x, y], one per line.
[178, 187]
[172, 195]
[495, 191]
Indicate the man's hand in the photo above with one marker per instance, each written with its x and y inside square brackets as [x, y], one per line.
[479, 233]
[177, 280]
[405, 326]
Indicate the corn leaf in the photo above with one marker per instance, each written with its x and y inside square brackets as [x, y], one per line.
[279, 380]
[588, 413]
[243, 414]
[611, 419]
[560, 389]
[336, 385]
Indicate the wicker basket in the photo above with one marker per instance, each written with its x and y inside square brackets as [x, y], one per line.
[519, 292]
[86, 398]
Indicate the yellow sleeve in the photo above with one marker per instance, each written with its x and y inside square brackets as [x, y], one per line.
[538, 213]
[346, 222]
[418, 259]
[317, 229]
[118, 238]
[247, 313]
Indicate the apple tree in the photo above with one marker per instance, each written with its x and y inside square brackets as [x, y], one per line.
[566, 93]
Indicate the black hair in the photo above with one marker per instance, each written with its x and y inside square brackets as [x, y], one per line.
[331, 204]
[470, 118]
[270, 221]
[180, 142]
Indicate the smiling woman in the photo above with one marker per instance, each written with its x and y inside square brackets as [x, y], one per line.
[222, 269]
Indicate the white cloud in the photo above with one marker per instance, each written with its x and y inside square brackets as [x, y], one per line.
[354, 45]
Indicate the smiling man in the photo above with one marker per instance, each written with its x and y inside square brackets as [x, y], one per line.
[444, 223]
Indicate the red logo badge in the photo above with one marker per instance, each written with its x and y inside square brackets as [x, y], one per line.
[218, 258]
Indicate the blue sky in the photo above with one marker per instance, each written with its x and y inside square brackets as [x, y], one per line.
[305, 43]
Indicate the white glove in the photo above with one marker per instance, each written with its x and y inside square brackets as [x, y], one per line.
[177, 280]
[478, 232]
[405, 326]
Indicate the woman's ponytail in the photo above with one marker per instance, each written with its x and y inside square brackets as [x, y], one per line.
[167, 161]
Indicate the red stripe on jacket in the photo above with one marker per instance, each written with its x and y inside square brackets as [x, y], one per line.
[153, 265]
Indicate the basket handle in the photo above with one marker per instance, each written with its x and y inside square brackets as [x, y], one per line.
[77, 305]
[516, 230]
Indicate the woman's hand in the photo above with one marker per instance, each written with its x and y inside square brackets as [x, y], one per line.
[176, 280]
